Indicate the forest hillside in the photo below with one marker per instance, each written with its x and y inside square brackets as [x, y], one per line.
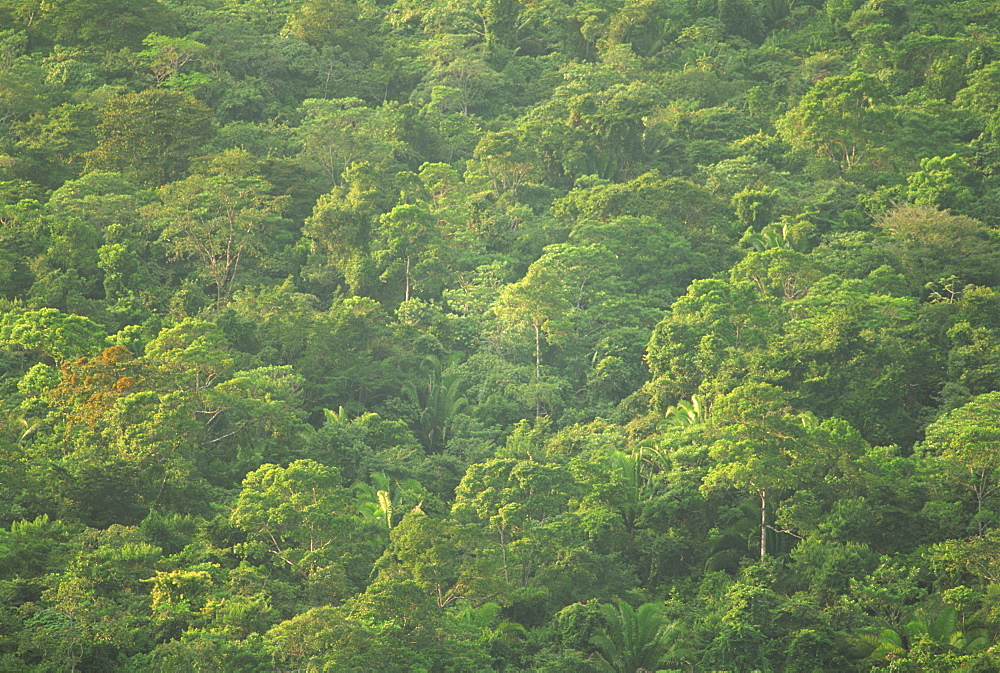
[513, 335]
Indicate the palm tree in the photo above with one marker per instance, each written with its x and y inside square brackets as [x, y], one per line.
[944, 631]
[636, 641]
[440, 399]
[685, 414]
[768, 238]
[941, 631]
[381, 500]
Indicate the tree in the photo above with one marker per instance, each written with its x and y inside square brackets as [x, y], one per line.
[51, 335]
[500, 20]
[942, 182]
[532, 302]
[685, 414]
[757, 445]
[102, 199]
[94, 612]
[328, 23]
[933, 245]
[253, 417]
[712, 336]
[443, 557]
[24, 91]
[963, 445]
[973, 367]
[129, 443]
[846, 118]
[393, 622]
[349, 358]
[341, 230]
[617, 277]
[112, 25]
[929, 640]
[461, 71]
[409, 235]
[634, 639]
[305, 520]
[194, 351]
[382, 502]
[840, 350]
[604, 128]
[113, 207]
[513, 500]
[327, 637]
[343, 131]
[679, 206]
[439, 401]
[166, 56]
[150, 136]
[224, 219]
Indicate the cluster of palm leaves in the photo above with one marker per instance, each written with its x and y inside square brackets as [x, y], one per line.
[637, 640]
[939, 635]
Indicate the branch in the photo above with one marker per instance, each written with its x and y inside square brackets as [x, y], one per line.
[789, 531]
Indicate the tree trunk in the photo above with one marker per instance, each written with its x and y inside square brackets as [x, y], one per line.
[503, 551]
[407, 292]
[538, 368]
[763, 524]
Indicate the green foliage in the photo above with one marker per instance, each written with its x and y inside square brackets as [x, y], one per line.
[223, 219]
[305, 520]
[843, 118]
[50, 334]
[942, 182]
[150, 136]
[281, 284]
[961, 445]
[439, 401]
[341, 132]
[105, 25]
[934, 245]
[634, 639]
